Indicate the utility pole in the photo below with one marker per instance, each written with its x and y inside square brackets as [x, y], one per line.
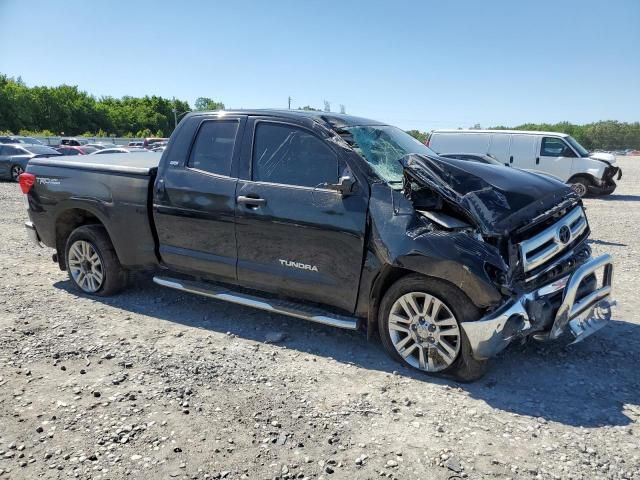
[175, 114]
[289, 102]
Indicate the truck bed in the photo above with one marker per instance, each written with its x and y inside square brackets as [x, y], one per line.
[113, 188]
[138, 163]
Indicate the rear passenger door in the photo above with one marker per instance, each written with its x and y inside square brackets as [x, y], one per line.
[194, 200]
[523, 152]
[7, 159]
[295, 236]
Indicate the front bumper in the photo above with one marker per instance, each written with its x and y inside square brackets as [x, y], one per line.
[516, 319]
[607, 185]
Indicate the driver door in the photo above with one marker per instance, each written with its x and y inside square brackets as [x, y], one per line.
[295, 236]
[556, 157]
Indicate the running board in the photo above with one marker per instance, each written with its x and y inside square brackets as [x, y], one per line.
[274, 305]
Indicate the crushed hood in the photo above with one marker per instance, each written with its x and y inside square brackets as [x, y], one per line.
[498, 199]
[609, 158]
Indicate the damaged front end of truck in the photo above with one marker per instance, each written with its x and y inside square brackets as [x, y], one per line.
[522, 234]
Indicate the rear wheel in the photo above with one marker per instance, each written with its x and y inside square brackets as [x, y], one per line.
[16, 170]
[92, 262]
[419, 323]
[580, 185]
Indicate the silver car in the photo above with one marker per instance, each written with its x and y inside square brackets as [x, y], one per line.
[14, 158]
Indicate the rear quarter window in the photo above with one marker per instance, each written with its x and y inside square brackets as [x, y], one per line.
[212, 149]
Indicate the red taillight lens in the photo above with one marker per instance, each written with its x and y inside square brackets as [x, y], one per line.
[27, 180]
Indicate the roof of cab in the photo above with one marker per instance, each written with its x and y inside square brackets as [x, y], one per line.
[522, 132]
[333, 120]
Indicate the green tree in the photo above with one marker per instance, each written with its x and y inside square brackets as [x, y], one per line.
[417, 134]
[205, 103]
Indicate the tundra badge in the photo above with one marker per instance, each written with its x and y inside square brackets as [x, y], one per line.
[301, 266]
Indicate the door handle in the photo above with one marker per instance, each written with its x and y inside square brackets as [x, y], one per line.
[251, 201]
[511, 159]
[537, 160]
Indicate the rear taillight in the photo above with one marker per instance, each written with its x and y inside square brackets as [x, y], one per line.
[27, 180]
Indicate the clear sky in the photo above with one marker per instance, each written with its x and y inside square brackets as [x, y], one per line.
[415, 64]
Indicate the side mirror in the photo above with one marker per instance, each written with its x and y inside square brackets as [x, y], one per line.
[344, 186]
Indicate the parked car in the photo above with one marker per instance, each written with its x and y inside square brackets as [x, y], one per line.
[71, 150]
[488, 159]
[555, 153]
[15, 156]
[73, 141]
[20, 139]
[101, 146]
[334, 219]
[475, 157]
[136, 144]
[118, 150]
[150, 142]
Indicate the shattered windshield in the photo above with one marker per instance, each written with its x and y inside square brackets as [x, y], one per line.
[382, 146]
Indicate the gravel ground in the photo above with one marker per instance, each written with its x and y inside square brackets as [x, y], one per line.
[156, 384]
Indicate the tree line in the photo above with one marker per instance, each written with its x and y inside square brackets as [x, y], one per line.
[66, 110]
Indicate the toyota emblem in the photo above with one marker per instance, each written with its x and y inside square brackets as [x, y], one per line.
[564, 234]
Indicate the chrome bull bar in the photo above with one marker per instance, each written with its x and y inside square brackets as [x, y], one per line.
[570, 309]
[493, 333]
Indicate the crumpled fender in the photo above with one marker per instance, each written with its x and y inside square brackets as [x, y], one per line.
[402, 238]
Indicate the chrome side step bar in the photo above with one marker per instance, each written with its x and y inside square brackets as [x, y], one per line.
[274, 305]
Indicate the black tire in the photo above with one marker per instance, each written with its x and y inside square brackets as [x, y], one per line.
[581, 186]
[464, 368]
[16, 170]
[114, 276]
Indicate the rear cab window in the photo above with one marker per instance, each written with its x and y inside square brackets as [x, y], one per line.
[213, 147]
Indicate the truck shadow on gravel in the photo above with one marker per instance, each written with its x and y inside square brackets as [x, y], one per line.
[621, 198]
[590, 384]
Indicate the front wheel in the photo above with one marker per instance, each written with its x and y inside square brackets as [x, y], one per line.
[92, 262]
[419, 324]
[16, 170]
[580, 186]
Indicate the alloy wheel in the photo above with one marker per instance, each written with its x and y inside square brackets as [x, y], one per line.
[85, 266]
[579, 188]
[16, 170]
[424, 331]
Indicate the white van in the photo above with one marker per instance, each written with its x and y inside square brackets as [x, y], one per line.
[557, 154]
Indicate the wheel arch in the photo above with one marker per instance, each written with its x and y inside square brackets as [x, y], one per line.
[389, 274]
[593, 180]
[66, 222]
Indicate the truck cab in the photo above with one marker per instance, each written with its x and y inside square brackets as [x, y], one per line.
[335, 219]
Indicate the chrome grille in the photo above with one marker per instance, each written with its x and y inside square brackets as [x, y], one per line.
[545, 245]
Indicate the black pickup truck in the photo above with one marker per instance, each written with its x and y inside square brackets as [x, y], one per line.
[335, 219]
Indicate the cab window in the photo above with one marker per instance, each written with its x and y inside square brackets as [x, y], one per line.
[289, 155]
[213, 148]
[555, 147]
